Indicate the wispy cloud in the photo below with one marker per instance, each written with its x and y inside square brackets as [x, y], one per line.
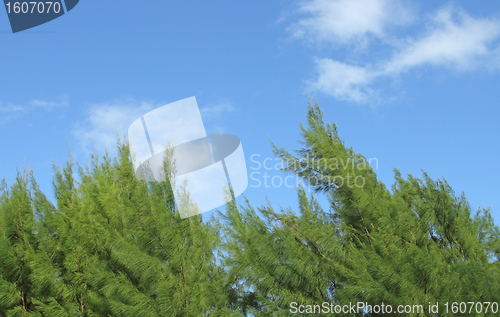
[343, 21]
[61, 101]
[218, 109]
[10, 108]
[10, 111]
[451, 38]
[342, 81]
[213, 115]
[104, 122]
[454, 39]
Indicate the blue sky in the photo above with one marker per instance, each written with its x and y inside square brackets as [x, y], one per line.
[412, 84]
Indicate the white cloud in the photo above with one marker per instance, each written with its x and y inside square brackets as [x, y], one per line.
[61, 101]
[342, 81]
[10, 108]
[213, 115]
[453, 39]
[11, 111]
[340, 21]
[104, 122]
[107, 121]
[216, 110]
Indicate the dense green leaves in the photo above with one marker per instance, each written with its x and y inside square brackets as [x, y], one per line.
[115, 245]
[414, 245]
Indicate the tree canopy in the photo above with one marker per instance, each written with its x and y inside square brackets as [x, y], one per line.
[115, 245]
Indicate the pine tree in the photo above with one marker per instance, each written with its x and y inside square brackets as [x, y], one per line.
[414, 245]
[113, 245]
[17, 247]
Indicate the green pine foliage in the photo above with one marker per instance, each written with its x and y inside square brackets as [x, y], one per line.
[418, 243]
[114, 244]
